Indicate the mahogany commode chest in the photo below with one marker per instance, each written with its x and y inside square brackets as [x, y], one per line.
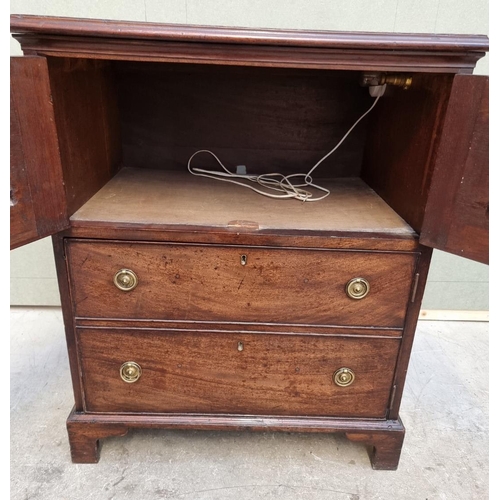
[192, 303]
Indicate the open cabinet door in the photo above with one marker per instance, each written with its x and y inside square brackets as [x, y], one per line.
[456, 214]
[37, 195]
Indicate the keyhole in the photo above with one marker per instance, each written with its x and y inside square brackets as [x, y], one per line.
[243, 260]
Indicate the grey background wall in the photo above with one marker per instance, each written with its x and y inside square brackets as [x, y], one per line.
[454, 283]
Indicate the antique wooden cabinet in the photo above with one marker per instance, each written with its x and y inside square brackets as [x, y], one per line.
[192, 303]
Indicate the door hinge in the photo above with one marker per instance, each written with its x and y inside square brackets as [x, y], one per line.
[393, 395]
[415, 285]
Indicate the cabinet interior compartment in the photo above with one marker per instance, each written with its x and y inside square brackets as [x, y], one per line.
[154, 116]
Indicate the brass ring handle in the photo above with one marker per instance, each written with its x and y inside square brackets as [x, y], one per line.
[130, 372]
[343, 377]
[357, 288]
[126, 280]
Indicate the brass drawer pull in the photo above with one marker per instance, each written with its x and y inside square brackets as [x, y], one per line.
[130, 372]
[343, 377]
[357, 288]
[126, 280]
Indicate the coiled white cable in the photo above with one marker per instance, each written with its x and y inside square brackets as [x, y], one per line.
[275, 181]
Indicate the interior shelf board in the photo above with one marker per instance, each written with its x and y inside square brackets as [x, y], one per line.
[171, 199]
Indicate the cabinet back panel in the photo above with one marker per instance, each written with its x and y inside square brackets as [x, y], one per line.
[267, 119]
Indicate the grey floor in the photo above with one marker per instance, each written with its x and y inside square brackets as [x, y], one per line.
[445, 410]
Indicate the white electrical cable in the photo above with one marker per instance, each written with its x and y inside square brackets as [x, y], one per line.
[275, 181]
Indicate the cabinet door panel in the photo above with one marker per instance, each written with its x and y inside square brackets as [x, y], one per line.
[457, 210]
[37, 196]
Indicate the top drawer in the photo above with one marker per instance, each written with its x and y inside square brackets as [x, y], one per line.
[238, 284]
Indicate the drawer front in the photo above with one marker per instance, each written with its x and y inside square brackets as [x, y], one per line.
[238, 373]
[236, 284]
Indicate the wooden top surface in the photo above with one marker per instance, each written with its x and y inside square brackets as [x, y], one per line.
[161, 198]
[176, 43]
[299, 38]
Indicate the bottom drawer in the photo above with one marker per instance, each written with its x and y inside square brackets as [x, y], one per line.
[236, 373]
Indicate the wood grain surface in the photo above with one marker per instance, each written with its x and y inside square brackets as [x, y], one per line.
[37, 196]
[457, 213]
[384, 448]
[142, 30]
[272, 375]
[169, 200]
[203, 282]
[402, 143]
[239, 236]
[86, 429]
[68, 318]
[224, 345]
[237, 327]
[87, 126]
[420, 280]
[271, 120]
[245, 55]
[84, 38]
